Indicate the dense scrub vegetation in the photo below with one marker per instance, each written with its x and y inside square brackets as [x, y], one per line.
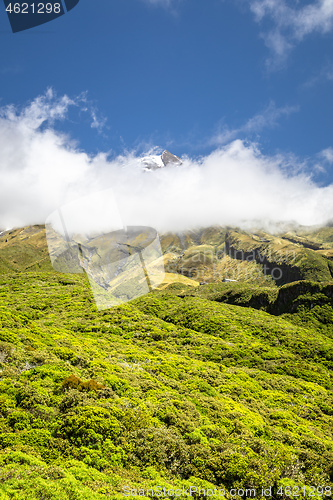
[304, 303]
[174, 389]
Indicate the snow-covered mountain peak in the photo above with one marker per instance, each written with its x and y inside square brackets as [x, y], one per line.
[153, 162]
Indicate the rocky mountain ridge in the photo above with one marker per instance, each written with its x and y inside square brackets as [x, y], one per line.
[208, 255]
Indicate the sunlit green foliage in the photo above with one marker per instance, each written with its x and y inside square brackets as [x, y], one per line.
[166, 390]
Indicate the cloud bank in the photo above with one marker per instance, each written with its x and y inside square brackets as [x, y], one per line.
[42, 169]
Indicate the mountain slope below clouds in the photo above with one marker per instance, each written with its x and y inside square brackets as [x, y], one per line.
[216, 253]
[206, 255]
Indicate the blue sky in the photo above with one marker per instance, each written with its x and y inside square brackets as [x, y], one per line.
[191, 76]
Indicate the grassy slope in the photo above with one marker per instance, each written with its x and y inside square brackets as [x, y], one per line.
[24, 249]
[191, 391]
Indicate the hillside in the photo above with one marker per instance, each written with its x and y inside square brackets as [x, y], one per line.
[24, 249]
[226, 385]
[206, 255]
[216, 253]
[165, 390]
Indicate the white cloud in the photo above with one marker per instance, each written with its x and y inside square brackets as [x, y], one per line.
[41, 169]
[161, 3]
[11, 70]
[44, 108]
[325, 74]
[327, 155]
[290, 25]
[97, 122]
[268, 118]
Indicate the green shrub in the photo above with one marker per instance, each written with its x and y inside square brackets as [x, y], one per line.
[88, 425]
